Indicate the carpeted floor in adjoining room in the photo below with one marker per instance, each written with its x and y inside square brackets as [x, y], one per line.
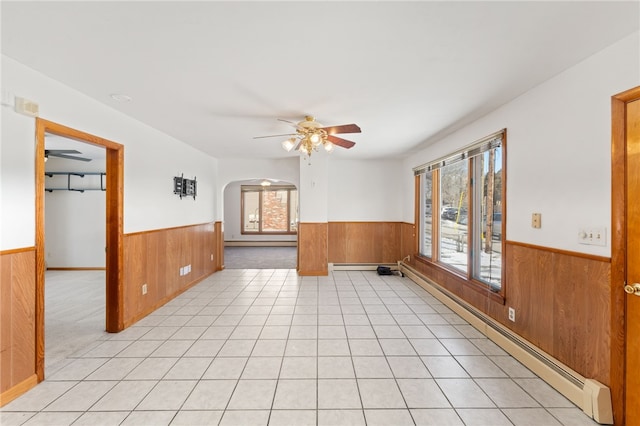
[260, 257]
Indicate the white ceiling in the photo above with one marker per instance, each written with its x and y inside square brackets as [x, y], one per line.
[216, 74]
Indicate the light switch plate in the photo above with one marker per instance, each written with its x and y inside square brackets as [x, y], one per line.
[593, 236]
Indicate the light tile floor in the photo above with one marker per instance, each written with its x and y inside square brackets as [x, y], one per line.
[258, 347]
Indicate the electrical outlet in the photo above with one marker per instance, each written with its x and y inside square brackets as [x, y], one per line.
[512, 314]
[181, 271]
[593, 236]
[144, 288]
[212, 257]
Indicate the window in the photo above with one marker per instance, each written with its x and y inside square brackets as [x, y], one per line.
[269, 210]
[461, 211]
[488, 235]
[454, 184]
[426, 189]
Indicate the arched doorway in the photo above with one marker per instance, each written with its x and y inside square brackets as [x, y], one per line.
[261, 223]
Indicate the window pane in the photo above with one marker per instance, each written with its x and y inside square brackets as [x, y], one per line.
[293, 210]
[251, 211]
[269, 210]
[275, 211]
[425, 213]
[453, 215]
[488, 237]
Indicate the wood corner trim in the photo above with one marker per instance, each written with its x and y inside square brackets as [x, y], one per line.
[17, 390]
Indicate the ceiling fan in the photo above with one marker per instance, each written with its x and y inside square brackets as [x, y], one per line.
[63, 153]
[310, 135]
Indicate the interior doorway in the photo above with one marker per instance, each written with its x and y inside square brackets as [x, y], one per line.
[75, 206]
[113, 180]
[261, 224]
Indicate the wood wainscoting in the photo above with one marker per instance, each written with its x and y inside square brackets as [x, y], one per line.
[371, 242]
[155, 258]
[563, 305]
[562, 301]
[219, 246]
[18, 322]
[408, 240]
[352, 243]
[312, 249]
[364, 242]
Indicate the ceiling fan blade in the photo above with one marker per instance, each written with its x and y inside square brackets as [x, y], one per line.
[291, 123]
[287, 121]
[345, 128]
[274, 136]
[340, 142]
[61, 151]
[70, 157]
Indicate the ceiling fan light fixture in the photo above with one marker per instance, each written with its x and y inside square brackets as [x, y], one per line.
[310, 135]
[328, 146]
[306, 146]
[289, 144]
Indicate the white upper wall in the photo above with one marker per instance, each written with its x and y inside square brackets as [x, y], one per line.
[17, 182]
[356, 190]
[238, 169]
[366, 190]
[558, 150]
[151, 159]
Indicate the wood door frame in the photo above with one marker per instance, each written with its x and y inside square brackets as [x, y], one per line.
[618, 248]
[114, 320]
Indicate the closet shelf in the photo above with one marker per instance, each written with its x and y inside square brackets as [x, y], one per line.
[78, 174]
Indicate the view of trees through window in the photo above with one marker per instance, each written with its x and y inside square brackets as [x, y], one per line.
[426, 184]
[454, 189]
[468, 214]
[489, 236]
[269, 210]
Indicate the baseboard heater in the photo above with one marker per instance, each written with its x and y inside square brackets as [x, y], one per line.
[360, 266]
[591, 396]
[260, 243]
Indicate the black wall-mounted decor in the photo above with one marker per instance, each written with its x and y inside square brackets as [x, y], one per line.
[185, 187]
[178, 182]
